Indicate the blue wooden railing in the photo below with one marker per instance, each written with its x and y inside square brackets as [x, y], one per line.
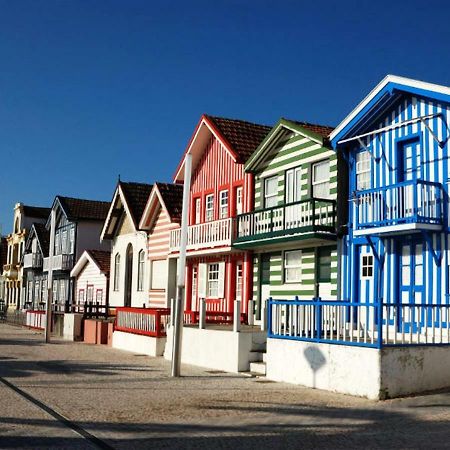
[360, 324]
[413, 201]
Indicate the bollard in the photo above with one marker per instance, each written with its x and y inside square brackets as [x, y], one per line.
[251, 312]
[202, 314]
[172, 312]
[237, 316]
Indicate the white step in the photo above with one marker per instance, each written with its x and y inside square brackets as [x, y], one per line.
[258, 368]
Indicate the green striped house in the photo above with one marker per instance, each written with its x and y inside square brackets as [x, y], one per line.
[292, 230]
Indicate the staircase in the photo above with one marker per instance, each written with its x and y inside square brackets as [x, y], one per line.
[257, 358]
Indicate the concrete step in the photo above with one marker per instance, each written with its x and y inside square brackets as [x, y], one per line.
[256, 356]
[258, 368]
[264, 357]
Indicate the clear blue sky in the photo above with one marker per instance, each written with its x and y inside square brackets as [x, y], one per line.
[91, 89]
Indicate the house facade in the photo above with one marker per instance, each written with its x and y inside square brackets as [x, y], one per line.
[35, 281]
[3, 259]
[220, 189]
[24, 217]
[76, 227]
[162, 214]
[91, 275]
[292, 230]
[129, 257]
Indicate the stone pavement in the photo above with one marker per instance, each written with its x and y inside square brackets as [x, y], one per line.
[73, 395]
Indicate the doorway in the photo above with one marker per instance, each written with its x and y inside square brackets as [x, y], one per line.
[128, 275]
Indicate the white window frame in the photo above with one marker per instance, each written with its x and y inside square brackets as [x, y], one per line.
[287, 267]
[198, 217]
[295, 175]
[159, 269]
[223, 204]
[322, 181]
[194, 282]
[141, 266]
[116, 272]
[239, 280]
[239, 200]
[213, 280]
[209, 208]
[363, 170]
[99, 293]
[90, 293]
[269, 198]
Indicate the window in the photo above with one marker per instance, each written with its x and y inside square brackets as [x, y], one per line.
[213, 281]
[37, 290]
[223, 204]
[194, 282]
[44, 290]
[55, 291]
[159, 274]
[293, 185]
[99, 296]
[62, 291]
[239, 208]
[116, 271]
[141, 262]
[72, 240]
[324, 265]
[64, 242]
[366, 266]
[292, 266]
[197, 210]
[321, 179]
[239, 281]
[90, 293]
[209, 208]
[80, 296]
[270, 192]
[363, 170]
[57, 244]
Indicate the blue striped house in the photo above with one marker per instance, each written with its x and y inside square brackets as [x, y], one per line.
[396, 251]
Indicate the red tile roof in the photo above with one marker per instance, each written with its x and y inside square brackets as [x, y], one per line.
[172, 195]
[36, 212]
[102, 258]
[243, 137]
[322, 130]
[136, 195]
[80, 209]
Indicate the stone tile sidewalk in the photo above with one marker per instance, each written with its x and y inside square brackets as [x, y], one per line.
[78, 393]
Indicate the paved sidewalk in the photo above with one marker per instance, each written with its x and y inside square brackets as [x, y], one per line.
[129, 401]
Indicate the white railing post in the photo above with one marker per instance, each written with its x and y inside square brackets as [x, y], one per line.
[202, 314]
[237, 316]
[263, 314]
[250, 314]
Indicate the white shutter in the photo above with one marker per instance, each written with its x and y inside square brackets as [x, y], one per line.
[221, 287]
[202, 280]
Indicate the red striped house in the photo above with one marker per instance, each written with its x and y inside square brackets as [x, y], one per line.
[161, 215]
[220, 189]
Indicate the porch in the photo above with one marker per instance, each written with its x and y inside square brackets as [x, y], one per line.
[304, 219]
[376, 350]
[402, 207]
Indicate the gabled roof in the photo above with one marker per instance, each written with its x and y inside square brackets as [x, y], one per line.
[381, 97]
[170, 197]
[239, 137]
[36, 212]
[315, 132]
[81, 209]
[129, 197]
[43, 237]
[102, 259]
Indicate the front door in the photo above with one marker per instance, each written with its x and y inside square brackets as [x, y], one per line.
[323, 267]
[128, 275]
[408, 169]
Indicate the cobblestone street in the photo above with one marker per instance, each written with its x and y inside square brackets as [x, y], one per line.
[72, 395]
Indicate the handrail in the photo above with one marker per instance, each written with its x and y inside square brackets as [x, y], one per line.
[392, 186]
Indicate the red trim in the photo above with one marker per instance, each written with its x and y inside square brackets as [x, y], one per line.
[159, 313]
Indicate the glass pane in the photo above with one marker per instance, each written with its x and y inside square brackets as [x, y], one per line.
[292, 258]
[271, 186]
[321, 171]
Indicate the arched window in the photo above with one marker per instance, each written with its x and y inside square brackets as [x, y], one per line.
[141, 259]
[116, 271]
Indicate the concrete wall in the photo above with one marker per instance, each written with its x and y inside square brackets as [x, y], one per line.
[137, 343]
[215, 349]
[339, 368]
[414, 369]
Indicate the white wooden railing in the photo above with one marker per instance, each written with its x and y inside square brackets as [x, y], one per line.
[204, 235]
[60, 262]
[32, 260]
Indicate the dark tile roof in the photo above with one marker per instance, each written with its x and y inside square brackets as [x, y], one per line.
[136, 195]
[3, 252]
[322, 130]
[172, 195]
[102, 258]
[43, 236]
[80, 209]
[244, 137]
[36, 211]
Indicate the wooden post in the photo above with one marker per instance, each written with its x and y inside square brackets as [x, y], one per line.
[237, 316]
[202, 314]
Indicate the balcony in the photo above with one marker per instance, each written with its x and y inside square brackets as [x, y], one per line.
[10, 271]
[60, 262]
[404, 207]
[32, 261]
[217, 233]
[304, 219]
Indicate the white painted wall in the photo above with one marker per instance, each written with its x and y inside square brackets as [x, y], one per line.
[119, 245]
[215, 349]
[339, 368]
[137, 343]
[72, 326]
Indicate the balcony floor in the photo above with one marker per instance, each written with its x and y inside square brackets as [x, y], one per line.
[403, 228]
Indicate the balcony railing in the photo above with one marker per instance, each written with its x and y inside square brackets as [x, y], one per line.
[299, 217]
[32, 261]
[204, 235]
[145, 321]
[10, 271]
[60, 262]
[414, 201]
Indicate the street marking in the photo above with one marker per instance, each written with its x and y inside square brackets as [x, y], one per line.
[59, 417]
